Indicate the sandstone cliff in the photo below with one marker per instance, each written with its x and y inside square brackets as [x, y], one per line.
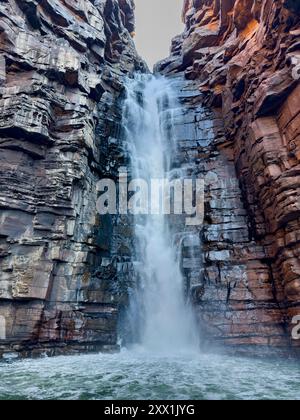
[64, 271]
[243, 57]
[61, 65]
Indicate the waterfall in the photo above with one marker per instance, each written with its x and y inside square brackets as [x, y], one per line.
[159, 313]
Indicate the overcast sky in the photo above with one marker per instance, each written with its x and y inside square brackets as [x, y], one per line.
[157, 22]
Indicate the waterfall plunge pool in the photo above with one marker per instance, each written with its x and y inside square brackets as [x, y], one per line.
[138, 375]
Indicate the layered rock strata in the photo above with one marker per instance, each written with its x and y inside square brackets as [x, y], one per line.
[243, 57]
[61, 69]
[64, 270]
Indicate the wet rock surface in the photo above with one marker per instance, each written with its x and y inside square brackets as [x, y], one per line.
[61, 70]
[242, 57]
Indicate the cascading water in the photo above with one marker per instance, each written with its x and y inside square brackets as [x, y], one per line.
[159, 313]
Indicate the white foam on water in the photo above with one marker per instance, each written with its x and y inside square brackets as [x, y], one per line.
[138, 374]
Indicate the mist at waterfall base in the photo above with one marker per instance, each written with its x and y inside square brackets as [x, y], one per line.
[161, 361]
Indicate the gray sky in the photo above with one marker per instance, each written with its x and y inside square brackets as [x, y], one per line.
[157, 22]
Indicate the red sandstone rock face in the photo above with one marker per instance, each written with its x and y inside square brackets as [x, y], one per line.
[244, 56]
[61, 62]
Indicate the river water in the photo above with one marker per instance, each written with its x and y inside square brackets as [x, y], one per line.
[137, 374]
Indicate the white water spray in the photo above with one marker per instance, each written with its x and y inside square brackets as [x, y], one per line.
[167, 320]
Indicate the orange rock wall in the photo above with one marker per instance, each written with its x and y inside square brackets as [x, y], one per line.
[244, 56]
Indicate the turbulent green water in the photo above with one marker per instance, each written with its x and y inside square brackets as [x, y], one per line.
[139, 375]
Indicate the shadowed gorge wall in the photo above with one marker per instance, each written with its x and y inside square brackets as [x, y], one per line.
[243, 57]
